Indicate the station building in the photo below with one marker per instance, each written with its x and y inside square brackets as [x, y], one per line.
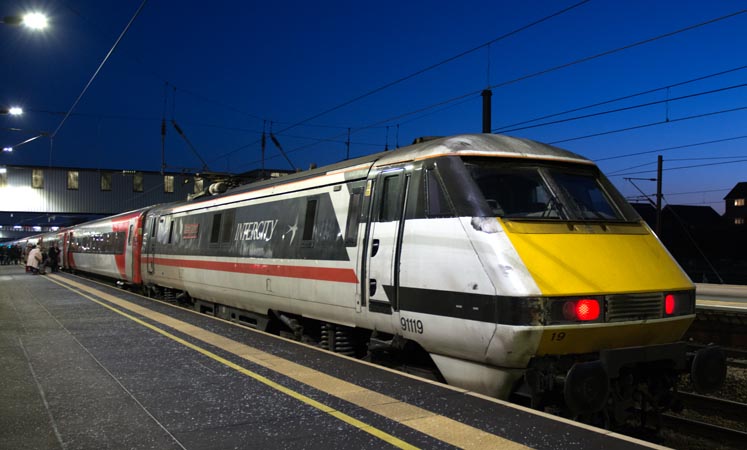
[37, 199]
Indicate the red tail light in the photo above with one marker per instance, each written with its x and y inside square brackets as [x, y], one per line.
[669, 304]
[587, 309]
[583, 310]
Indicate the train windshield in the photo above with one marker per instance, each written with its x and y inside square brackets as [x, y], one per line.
[525, 190]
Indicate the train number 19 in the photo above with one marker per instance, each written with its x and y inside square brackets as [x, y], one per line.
[557, 336]
[411, 325]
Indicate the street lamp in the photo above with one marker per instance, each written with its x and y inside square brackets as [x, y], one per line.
[33, 20]
[13, 111]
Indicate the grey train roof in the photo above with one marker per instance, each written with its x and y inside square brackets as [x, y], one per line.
[463, 144]
[479, 144]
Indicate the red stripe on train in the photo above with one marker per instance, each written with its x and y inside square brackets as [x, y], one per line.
[309, 273]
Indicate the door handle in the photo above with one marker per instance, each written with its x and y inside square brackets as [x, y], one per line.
[374, 247]
[371, 287]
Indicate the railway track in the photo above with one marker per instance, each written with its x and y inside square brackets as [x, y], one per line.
[718, 420]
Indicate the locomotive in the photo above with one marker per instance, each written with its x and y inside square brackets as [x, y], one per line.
[505, 266]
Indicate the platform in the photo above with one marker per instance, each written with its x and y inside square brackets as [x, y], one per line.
[86, 365]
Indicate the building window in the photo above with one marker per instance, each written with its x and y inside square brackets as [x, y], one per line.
[198, 185]
[168, 183]
[739, 221]
[137, 182]
[106, 182]
[738, 202]
[72, 179]
[37, 178]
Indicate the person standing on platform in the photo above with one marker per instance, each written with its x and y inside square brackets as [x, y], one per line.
[34, 258]
[13, 252]
[16, 255]
[54, 257]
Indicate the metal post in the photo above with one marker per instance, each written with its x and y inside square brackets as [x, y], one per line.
[660, 163]
[347, 146]
[486, 110]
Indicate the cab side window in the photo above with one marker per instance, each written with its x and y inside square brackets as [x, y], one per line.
[435, 199]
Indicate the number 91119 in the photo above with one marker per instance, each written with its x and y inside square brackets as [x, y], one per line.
[411, 325]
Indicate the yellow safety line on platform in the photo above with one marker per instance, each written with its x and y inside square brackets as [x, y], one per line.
[439, 427]
[309, 401]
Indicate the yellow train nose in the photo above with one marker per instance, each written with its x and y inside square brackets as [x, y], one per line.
[578, 259]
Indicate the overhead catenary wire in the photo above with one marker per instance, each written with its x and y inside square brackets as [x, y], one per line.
[716, 141]
[405, 78]
[158, 76]
[694, 166]
[618, 99]
[628, 47]
[629, 108]
[433, 66]
[93, 77]
[562, 66]
[619, 49]
[661, 122]
[651, 163]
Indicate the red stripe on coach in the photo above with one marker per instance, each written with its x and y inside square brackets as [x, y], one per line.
[309, 273]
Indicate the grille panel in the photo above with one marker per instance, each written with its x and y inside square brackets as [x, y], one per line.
[625, 307]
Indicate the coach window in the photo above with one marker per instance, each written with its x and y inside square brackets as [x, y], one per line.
[3, 176]
[215, 231]
[106, 181]
[308, 224]
[129, 235]
[163, 232]
[168, 184]
[137, 182]
[37, 178]
[354, 213]
[72, 179]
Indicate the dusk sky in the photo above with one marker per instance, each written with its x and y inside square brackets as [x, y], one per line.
[389, 71]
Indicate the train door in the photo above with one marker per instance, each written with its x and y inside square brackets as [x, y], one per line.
[385, 241]
[65, 248]
[70, 247]
[149, 243]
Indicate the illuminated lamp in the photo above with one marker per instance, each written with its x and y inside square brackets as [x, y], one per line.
[584, 310]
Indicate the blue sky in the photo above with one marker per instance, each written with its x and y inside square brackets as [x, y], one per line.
[223, 70]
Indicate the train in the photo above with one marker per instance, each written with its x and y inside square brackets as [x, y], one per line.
[500, 265]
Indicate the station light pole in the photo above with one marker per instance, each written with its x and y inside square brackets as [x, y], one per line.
[33, 20]
[12, 111]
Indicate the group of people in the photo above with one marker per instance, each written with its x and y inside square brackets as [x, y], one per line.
[39, 259]
[11, 254]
